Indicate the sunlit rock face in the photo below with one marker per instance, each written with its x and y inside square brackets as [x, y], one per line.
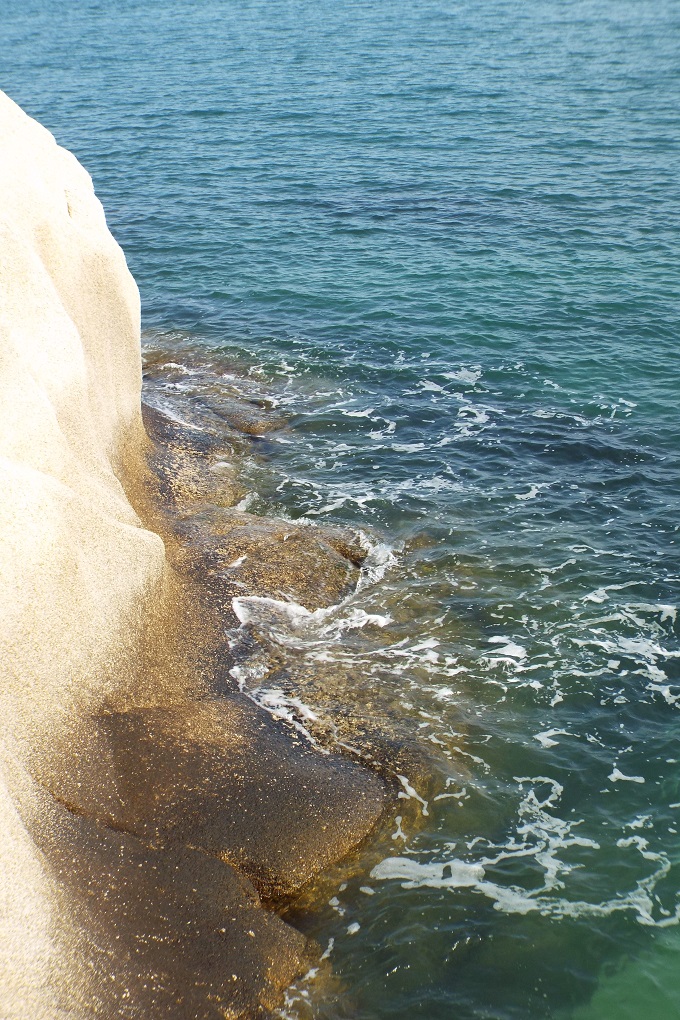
[75, 561]
[76, 565]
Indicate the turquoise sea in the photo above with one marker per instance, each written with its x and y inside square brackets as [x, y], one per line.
[443, 237]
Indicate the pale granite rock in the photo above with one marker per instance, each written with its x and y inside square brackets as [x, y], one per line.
[76, 564]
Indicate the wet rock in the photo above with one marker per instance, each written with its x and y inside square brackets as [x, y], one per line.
[171, 933]
[350, 712]
[161, 428]
[345, 541]
[242, 554]
[190, 465]
[247, 416]
[233, 552]
[224, 777]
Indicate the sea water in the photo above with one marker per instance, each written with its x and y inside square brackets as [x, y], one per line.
[443, 237]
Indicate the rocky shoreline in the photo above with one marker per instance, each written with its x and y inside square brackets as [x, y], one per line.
[159, 815]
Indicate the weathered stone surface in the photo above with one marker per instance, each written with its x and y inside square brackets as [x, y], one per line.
[348, 543]
[242, 554]
[170, 933]
[225, 777]
[77, 567]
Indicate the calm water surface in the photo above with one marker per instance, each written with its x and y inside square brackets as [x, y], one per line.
[444, 236]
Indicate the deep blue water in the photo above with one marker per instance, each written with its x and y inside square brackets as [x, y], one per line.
[445, 237]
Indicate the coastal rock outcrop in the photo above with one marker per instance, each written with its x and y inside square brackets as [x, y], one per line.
[76, 564]
[142, 811]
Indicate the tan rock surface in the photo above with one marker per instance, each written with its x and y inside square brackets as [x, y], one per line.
[75, 562]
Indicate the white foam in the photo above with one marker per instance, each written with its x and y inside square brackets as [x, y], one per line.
[617, 776]
[399, 832]
[640, 822]
[380, 558]
[533, 491]
[169, 410]
[246, 502]
[292, 711]
[464, 375]
[354, 619]
[382, 433]
[329, 507]
[258, 609]
[415, 875]
[430, 642]
[665, 612]
[512, 650]
[469, 417]
[180, 368]
[410, 793]
[665, 691]
[328, 950]
[334, 902]
[545, 738]
[438, 483]
[601, 594]
[542, 835]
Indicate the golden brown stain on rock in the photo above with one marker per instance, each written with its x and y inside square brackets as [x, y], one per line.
[171, 933]
[222, 776]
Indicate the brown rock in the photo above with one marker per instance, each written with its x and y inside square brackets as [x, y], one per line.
[224, 777]
[242, 554]
[172, 933]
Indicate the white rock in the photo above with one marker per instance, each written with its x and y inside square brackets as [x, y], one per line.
[75, 562]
